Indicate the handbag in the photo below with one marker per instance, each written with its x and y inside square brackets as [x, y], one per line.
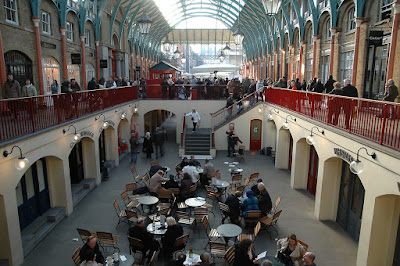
[192, 118]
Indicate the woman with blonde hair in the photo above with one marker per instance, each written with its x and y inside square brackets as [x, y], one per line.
[173, 232]
[290, 251]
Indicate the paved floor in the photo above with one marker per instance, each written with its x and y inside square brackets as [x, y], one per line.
[332, 245]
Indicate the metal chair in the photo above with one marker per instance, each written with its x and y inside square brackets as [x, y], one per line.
[200, 213]
[85, 234]
[239, 156]
[252, 217]
[236, 181]
[230, 255]
[107, 239]
[269, 222]
[249, 236]
[180, 242]
[184, 218]
[217, 249]
[224, 211]
[254, 177]
[122, 218]
[212, 234]
[130, 204]
[133, 216]
[136, 245]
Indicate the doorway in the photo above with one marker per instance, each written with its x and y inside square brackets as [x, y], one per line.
[312, 171]
[290, 152]
[76, 164]
[102, 151]
[19, 65]
[351, 201]
[33, 193]
[375, 72]
[255, 134]
[325, 61]
[396, 259]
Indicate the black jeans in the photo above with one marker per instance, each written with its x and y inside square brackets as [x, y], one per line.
[194, 126]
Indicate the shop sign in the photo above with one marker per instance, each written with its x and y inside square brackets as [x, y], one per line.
[76, 59]
[375, 38]
[103, 64]
[87, 134]
[48, 45]
[138, 68]
[343, 154]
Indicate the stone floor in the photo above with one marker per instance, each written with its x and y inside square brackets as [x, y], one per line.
[332, 245]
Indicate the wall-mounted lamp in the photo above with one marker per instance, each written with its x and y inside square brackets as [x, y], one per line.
[105, 123]
[270, 117]
[310, 139]
[356, 167]
[123, 114]
[76, 136]
[135, 109]
[259, 109]
[22, 162]
[286, 124]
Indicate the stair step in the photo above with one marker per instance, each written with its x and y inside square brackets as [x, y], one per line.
[197, 152]
[198, 140]
[85, 187]
[207, 145]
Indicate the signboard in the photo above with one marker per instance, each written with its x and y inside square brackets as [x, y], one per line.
[103, 64]
[343, 154]
[48, 45]
[76, 59]
[375, 38]
[138, 68]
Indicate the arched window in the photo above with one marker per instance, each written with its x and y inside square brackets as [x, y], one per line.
[51, 71]
[328, 28]
[351, 19]
[89, 72]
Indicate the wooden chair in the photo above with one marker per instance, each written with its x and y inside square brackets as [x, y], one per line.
[273, 210]
[180, 242]
[216, 175]
[230, 255]
[154, 163]
[175, 191]
[217, 249]
[252, 217]
[238, 189]
[164, 194]
[213, 190]
[75, 256]
[157, 216]
[270, 222]
[224, 211]
[212, 234]
[305, 246]
[136, 245]
[122, 218]
[236, 180]
[107, 239]
[254, 177]
[249, 236]
[184, 218]
[131, 186]
[133, 171]
[192, 190]
[133, 216]
[85, 234]
[211, 196]
[200, 213]
[130, 204]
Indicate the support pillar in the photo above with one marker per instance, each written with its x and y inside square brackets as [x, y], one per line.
[97, 42]
[393, 44]
[356, 48]
[64, 53]
[301, 65]
[290, 63]
[132, 67]
[283, 63]
[275, 65]
[83, 69]
[314, 56]
[36, 23]
[3, 76]
[333, 36]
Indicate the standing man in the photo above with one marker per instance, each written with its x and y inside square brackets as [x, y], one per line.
[75, 86]
[164, 88]
[134, 148]
[349, 91]
[390, 96]
[229, 105]
[232, 138]
[195, 119]
[12, 89]
[159, 142]
[264, 200]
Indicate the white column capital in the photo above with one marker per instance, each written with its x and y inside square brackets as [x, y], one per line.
[36, 22]
[358, 22]
[63, 30]
[97, 42]
[396, 6]
[82, 37]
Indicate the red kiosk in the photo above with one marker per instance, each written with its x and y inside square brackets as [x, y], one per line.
[157, 74]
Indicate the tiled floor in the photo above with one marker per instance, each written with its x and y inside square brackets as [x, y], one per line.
[332, 245]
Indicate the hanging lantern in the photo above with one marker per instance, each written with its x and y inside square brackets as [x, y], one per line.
[221, 56]
[271, 7]
[145, 23]
[238, 35]
[183, 59]
[167, 44]
[227, 50]
[177, 54]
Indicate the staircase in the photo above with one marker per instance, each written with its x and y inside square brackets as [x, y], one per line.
[198, 143]
[79, 191]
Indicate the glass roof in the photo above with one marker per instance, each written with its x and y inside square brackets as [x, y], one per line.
[201, 14]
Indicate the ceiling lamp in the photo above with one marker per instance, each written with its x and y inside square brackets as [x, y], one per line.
[221, 56]
[167, 44]
[271, 7]
[145, 23]
[238, 35]
[183, 59]
[177, 54]
[356, 167]
[227, 50]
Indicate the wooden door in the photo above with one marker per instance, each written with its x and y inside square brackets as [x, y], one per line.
[312, 171]
[76, 164]
[255, 134]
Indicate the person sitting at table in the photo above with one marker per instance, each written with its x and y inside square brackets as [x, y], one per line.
[171, 183]
[309, 258]
[168, 240]
[155, 168]
[205, 260]
[254, 188]
[88, 249]
[264, 200]
[156, 181]
[233, 203]
[180, 259]
[90, 260]
[139, 231]
[266, 263]
[185, 186]
[179, 172]
[194, 161]
[192, 171]
[244, 254]
[207, 170]
[249, 204]
[184, 162]
[290, 251]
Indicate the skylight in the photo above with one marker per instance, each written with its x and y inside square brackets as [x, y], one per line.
[200, 14]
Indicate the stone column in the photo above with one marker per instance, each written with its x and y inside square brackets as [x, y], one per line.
[283, 63]
[290, 63]
[83, 69]
[301, 64]
[333, 36]
[356, 48]
[36, 23]
[132, 66]
[3, 76]
[315, 67]
[64, 53]
[393, 44]
[275, 66]
[97, 43]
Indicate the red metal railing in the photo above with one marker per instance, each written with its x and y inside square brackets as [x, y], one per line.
[377, 121]
[183, 129]
[22, 116]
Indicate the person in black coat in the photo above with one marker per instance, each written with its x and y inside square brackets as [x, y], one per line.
[171, 183]
[139, 231]
[185, 186]
[233, 203]
[298, 84]
[148, 145]
[329, 84]
[173, 232]
[164, 86]
[242, 257]
[88, 249]
[304, 85]
[264, 200]
[349, 91]
[92, 85]
[319, 87]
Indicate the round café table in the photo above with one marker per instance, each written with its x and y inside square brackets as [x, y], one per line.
[129, 260]
[157, 230]
[221, 186]
[192, 261]
[229, 230]
[147, 200]
[195, 202]
[235, 171]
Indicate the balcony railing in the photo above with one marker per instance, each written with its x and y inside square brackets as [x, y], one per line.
[22, 116]
[377, 121]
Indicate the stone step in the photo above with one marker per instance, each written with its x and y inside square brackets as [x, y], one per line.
[80, 190]
[40, 228]
[197, 140]
[197, 152]
[197, 144]
[190, 136]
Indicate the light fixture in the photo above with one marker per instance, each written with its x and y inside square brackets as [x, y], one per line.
[22, 162]
[105, 123]
[76, 136]
[144, 23]
[270, 117]
[123, 114]
[286, 124]
[271, 7]
[259, 109]
[310, 139]
[135, 109]
[183, 59]
[221, 56]
[227, 50]
[167, 44]
[238, 35]
[356, 167]
[177, 54]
